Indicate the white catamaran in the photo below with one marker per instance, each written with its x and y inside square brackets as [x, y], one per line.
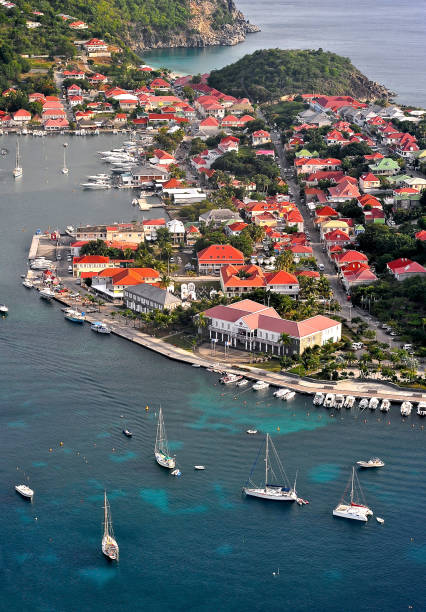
[162, 454]
[109, 543]
[276, 492]
[353, 510]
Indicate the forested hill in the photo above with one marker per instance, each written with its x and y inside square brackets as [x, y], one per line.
[130, 24]
[270, 73]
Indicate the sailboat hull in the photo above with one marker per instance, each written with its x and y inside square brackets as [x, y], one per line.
[110, 548]
[164, 461]
[271, 494]
[355, 513]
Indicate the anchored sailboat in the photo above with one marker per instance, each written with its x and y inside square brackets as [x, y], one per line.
[162, 454]
[276, 492]
[17, 171]
[64, 168]
[354, 510]
[109, 544]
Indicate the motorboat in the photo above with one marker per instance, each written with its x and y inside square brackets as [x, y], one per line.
[349, 401]
[100, 327]
[269, 491]
[27, 284]
[74, 315]
[373, 403]
[406, 408]
[96, 185]
[229, 379]
[363, 403]
[176, 472]
[25, 491]
[374, 462]
[260, 385]
[47, 294]
[421, 409]
[385, 405]
[98, 177]
[281, 392]
[318, 399]
[109, 544]
[289, 395]
[380, 520]
[251, 432]
[242, 383]
[161, 450]
[353, 510]
[329, 400]
[127, 433]
[339, 402]
[3, 310]
[199, 467]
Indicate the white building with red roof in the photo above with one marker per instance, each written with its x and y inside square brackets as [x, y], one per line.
[212, 258]
[229, 143]
[238, 280]
[404, 268]
[368, 181]
[21, 116]
[356, 274]
[162, 158]
[255, 327]
[260, 137]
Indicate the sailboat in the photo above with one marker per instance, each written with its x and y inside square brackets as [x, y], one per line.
[162, 454]
[17, 171]
[354, 510]
[64, 168]
[276, 492]
[109, 544]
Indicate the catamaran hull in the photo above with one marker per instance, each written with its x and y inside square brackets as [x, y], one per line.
[279, 496]
[355, 513]
[354, 517]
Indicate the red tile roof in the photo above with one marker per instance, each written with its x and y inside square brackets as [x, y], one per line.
[220, 253]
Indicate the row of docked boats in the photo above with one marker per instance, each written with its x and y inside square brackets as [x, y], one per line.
[331, 400]
[240, 381]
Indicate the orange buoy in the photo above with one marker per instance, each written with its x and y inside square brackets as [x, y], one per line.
[61, 443]
[147, 408]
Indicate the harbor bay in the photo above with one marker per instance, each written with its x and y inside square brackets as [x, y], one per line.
[188, 542]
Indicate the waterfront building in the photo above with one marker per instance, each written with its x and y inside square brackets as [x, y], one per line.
[111, 282]
[90, 263]
[255, 327]
[146, 298]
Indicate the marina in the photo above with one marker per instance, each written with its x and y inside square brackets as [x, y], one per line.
[80, 385]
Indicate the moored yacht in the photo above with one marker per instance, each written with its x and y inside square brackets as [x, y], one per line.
[385, 405]
[406, 408]
[329, 400]
[289, 395]
[374, 462]
[259, 385]
[47, 294]
[109, 543]
[242, 383]
[100, 327]
[27, 283]
[339, 401]
[421, 409]
[229, 379]
[74, 315]
[281, 392]
[274, 492]
[3, 310]
[161, 450]
[363, 403]
[350, 401]
[353, 510]
[25, 491]
[373, 403]
[318, 399]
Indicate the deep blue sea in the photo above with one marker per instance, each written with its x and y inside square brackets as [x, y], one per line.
[385, 39]
[192, 543]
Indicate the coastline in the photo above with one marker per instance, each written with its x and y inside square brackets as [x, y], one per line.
[359, 390]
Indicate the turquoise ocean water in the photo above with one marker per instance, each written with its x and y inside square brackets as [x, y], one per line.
[385, 39]
[192, 543]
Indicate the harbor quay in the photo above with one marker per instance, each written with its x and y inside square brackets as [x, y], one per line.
[43, 247]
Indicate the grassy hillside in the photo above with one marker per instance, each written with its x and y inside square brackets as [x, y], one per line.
[268, 74]
[116, 21]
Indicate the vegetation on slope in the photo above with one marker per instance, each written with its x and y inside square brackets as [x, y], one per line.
[271, 73]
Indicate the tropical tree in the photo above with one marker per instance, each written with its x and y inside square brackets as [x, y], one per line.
[285, 261]
[285, 339]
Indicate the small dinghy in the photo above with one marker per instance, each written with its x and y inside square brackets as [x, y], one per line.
[176, 472]
[199, 467]
[127, 433]
[252, 432]
[380, 520]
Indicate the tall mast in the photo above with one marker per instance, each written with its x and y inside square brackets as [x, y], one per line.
[352, 488]
[17, 153]
[266, 460]
[105, 515]
[65, 165]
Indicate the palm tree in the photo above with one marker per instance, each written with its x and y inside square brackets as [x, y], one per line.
[165, 281]
[285, 261]
[285, 340]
